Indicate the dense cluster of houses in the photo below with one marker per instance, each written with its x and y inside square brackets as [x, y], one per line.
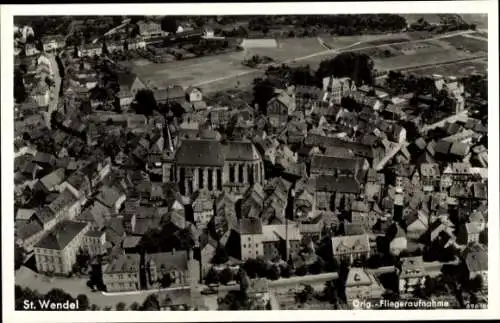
[307, 171]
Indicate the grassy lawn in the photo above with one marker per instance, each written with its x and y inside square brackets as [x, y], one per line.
[458, 69]
[419, 59]
[466, 43]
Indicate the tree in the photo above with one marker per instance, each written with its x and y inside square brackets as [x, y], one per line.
[330, 293]
[263, 91]
[19, 253]
[151, 303]
[166, 280]
[317, 267]
[134, 306]
[476, 284]
[94, 307]
[57, 295]
[145, 102]
[107, 308]
[121, 306]
[273, 272]
[226, 276]
[75, 51]
[212, 277]
[305, 294]
[285, 271]
[20, 93]
[359, 67]
[83, 301]
[301, 270]
[220, 256]
[169, 24]
[82, 260]
[105, 50]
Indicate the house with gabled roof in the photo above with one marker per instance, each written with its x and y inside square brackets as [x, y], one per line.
[350, 248]
[476, 261]
[130, 84]
[280, 107]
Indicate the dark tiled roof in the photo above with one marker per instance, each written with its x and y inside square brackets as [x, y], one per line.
[250, 226]
[321, 162]
[334, 184]
[170, 93]
[442, 147]
[124, 264]
[61, 235]
[64, 199]
[200, 153]
[126, 80]
[240, 151]
[168, 261]
[28, 230]
[109, 196]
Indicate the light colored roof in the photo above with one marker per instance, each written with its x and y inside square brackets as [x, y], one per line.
[353, 244]
[128, 263]
[109, 196]
[277, 232]
[131, 242]
[360, 277]
[24, 214]
[53, 179]
[476, 258]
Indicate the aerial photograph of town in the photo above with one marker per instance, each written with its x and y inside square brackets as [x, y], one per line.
[248, 162]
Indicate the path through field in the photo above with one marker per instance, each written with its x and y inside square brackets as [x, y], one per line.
[327, 53]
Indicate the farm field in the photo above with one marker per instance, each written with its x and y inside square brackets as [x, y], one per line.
[456, 69]
[480, 20]
[480, 34]
[288, 48]
[472, 45]
[192, 71]
[403, 61]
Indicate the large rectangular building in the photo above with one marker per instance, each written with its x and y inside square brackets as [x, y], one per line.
[56, 252]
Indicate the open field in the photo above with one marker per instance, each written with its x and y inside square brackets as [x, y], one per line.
[402, 61]
[482, 34]
[225, 71]
[192, 71]
[455, 69]
[472, 45]
[288, 48]
[479, 19]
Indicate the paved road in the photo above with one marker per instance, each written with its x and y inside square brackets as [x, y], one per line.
[74, 286]
[54, 94]
[476, 37]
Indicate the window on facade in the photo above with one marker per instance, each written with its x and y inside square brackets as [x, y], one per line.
[244, 245]
[120, 276]
[182, 177]
[240, 173]
[231, 173]
[200, 178]
[210, 180]
[250, 174]
[249, 239]
[219, 179]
